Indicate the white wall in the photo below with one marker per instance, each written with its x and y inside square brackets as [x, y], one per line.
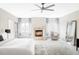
[7, 22]
[64, 20]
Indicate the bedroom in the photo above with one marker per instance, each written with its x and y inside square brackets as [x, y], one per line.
[28, 30]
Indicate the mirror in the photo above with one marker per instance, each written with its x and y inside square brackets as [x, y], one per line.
[71, 31]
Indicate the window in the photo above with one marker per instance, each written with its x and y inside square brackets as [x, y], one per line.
[52, 25]
[24, 28]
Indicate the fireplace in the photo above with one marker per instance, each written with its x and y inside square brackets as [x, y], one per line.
[38, 33]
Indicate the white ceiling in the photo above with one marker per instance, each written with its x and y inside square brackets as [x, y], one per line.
[25, 10]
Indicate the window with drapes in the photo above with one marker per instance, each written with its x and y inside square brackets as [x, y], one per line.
[52, 25]
[24, 27]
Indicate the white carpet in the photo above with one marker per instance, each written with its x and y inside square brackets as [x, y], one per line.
[54, 48]
[37, 47]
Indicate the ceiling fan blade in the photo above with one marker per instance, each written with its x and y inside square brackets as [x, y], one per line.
[50, 6]
[37, 6]
[35, 9]
[49, 9]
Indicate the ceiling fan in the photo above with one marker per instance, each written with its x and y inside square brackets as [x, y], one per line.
[42, 7]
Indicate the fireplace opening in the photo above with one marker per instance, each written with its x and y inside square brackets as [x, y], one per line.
[38, 33]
